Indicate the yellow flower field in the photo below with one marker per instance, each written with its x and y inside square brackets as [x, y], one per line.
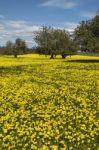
[49, 104]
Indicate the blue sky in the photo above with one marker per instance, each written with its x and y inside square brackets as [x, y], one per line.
[20, 18]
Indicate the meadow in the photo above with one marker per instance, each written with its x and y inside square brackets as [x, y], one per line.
[49, 104]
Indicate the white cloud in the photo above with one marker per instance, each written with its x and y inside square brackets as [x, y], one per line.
[65, 4]
[70, 26]
[11, 29]
[87, 14]
[22, 25]
[15, 24]
[29, 41]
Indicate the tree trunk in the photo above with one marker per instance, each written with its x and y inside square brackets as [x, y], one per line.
[15, 56]
[52, 56]
[63, 56]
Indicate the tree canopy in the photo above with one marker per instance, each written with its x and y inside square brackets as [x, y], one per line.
[87, 35]
[16, 48]
[53, 41]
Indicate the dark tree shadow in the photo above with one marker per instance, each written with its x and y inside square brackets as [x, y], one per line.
[11, 70]
[84, 61]
[19, 69]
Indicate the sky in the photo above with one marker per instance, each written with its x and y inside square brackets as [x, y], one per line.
[21, 18]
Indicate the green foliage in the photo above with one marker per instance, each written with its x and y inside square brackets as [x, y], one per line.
[53, 41]
[87, 35]
[16, 48]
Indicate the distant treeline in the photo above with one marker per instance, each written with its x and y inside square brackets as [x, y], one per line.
[52, 41]
[17, 48]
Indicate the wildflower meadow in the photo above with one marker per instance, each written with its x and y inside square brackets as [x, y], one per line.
[49, 104]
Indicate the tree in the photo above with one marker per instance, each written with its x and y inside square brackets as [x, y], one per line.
[87, 35]
[9, 48]
[17, 48]
[94, 25]
[2, 50]
[53, 41]
[44, 40]
[61, 42]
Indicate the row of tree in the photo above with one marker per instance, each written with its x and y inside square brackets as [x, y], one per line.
[56, 41]
[52, 41]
